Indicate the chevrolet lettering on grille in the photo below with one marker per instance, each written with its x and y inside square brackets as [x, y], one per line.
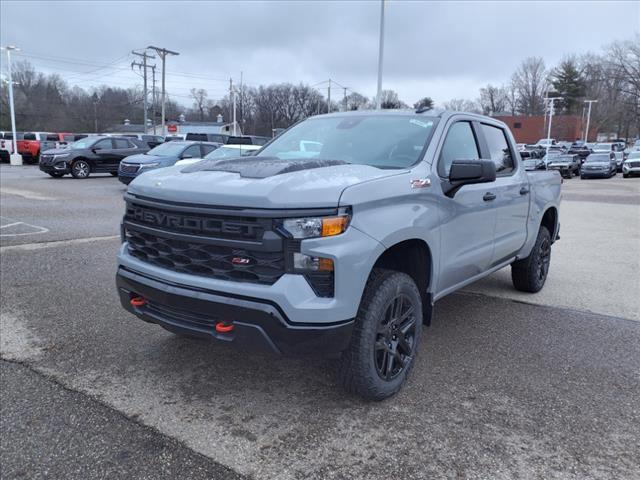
[190, 223]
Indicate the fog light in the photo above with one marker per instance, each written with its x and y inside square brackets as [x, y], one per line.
[307, 262]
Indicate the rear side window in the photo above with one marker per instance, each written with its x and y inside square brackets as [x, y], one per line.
[200, 137]
[122, 143]
[460, 144]
[208, 149]
[53, 138]
[499, 150]
[104, 144]
[29, 136]
[193, 151]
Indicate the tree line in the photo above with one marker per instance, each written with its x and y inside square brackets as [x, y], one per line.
[48, 103]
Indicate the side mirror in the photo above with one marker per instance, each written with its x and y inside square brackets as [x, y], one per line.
[468, 172]
[94, 150]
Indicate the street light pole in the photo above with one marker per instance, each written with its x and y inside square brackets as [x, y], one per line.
[380, 55]
[586, 133]
[551, 107]
[15, 158]
[163, 52]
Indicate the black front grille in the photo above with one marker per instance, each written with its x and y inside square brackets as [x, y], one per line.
[46, 159]
[214, 261]
[128, 168]
[186, 318]
[634, 164]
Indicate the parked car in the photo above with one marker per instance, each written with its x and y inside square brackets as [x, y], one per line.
[151, 140]
[603, 147]
[248, 140]
[164, 155]
[171, 138]
[96, 154]
[567, 165]
[620, 156]
[232, 151]
[631, 165]
[534, 164]
[341, 253]
[582, 151]
[543, 142]
[207, 137]
[599, 164]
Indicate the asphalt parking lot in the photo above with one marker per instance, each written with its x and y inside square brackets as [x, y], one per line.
[507, 385]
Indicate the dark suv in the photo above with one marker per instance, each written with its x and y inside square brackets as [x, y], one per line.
[89, 155]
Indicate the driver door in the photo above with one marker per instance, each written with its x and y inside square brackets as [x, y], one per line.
[103, 151]
[468, 223]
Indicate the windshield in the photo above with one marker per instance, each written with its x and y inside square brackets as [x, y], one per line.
[383, 141]
[634, 155]
[84, 143]
[169, 149]
[598, 158]
[228, 152]
[563, 158]
[602, 146]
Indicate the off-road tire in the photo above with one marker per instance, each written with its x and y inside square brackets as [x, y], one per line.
[358, 369]
[530, 274]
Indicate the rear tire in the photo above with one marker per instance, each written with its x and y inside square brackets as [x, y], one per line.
[80, 169]
[385, 336]
[114, 174]
[530, 274]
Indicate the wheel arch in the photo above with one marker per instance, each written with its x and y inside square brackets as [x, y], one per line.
[550, 221]
[414, 257]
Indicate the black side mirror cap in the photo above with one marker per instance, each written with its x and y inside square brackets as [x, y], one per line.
[468, 172]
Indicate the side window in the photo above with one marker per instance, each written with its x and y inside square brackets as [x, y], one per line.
[208, 149]
[460, 144]
[498, 149]
[122, 143]
[193, 151]
[103, 144]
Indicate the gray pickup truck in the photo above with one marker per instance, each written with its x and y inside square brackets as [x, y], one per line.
[338, 237]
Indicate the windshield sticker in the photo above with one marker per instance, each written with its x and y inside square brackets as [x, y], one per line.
[420, 123]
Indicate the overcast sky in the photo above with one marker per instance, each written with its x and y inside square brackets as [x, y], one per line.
[440, 49]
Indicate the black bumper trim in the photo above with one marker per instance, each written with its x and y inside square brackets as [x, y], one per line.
[258, 324]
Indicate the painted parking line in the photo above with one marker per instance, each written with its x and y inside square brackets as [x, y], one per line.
[17, 228]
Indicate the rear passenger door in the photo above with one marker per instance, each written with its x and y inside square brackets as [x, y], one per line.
[511, 190]
[123, 148]
[468, 221]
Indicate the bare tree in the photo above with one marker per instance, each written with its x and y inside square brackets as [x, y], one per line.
[199, 96]
[461, 105]
[531, 83]
[492, 99]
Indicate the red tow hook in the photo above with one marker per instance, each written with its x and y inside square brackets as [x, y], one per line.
[223, 327]
[138, 302]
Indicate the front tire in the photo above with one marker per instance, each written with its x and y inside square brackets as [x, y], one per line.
[56, 174]
[530, 274]
[625, 175]
[385, 337]
[80, 169]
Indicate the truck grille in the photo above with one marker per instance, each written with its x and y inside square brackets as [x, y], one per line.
[213, 261]
[46, 159]
[634, 164]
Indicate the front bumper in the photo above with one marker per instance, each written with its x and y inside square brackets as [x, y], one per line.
[126, 179]
[257, 323]
[595, 173]
[630, 170]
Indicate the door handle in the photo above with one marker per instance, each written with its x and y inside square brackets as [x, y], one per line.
[489, 196]
[524, 190]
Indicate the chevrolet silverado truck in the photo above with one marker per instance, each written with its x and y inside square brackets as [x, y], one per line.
[342, 249]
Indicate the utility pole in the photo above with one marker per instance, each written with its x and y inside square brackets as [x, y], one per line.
[143, 65]
[551, 107]
[345, 98]
[153, 97]
[162, 53]
[15, 158]
[329, 97]
[232, 94]
[241, 102]
[380, 55]
[95, 112]
[586, 133]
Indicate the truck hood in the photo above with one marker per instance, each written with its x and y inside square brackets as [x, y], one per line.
[256, 183]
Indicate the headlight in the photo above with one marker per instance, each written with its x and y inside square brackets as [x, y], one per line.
[60, 155]
[314, 227]
[149, 165]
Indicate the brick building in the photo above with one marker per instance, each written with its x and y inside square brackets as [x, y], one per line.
[531, 129]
